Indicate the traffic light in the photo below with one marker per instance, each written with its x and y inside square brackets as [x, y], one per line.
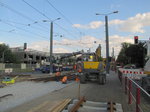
[25, 46]
[135, 39]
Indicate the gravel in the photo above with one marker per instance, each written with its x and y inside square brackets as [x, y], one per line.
[26, 91]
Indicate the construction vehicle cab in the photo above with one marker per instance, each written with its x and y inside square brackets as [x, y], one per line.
[92, 70]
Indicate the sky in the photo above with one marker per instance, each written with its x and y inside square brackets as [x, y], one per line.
[21, 21]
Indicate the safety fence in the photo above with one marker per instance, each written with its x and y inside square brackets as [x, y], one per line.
[17, 68]
[133, 73]
[136, 95]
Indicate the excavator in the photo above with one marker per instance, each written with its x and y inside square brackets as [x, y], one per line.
[91, 69]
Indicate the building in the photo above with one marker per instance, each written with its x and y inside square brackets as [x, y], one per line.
[30, 56]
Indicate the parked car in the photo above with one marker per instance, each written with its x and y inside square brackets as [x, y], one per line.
[67, 68]
[46, 69]
[129, 66]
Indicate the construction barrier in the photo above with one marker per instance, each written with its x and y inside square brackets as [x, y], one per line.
[8, 70]
[136, 94]
[132, 73]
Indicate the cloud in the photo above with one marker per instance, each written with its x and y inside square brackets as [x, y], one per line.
[44, 46]
[91, 25]
[60, 50]
[86, 42]
[137, 23]
[116, 22]
[116, 40]
[39, 45]
[134, 24]
[1, 42]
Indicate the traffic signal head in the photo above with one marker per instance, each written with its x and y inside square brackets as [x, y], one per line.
[135, 39]
[25, 46]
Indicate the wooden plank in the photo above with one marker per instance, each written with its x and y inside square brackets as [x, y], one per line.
[111, 107]
[77, 105]
[35, 109]
[61, 106]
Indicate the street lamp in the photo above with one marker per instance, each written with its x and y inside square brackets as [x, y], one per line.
[51, 42]
[107, 39]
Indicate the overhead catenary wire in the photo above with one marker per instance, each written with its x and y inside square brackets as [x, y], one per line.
[11, 9]
[25, 17]
[20, 14]
[47, 17]
[61, 14]
[26, 25]
[36, 10]
[24, 30]
[23, 24]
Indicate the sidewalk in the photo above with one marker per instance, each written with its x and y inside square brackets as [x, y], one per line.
[111, 91]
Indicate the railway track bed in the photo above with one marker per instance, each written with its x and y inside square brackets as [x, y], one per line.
[82, 105]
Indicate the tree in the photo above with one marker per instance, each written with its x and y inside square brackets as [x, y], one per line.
[137, 54]
[6, 55]
[122, 58]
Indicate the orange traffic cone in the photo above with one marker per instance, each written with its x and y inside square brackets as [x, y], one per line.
[77, 79]
[64, 80]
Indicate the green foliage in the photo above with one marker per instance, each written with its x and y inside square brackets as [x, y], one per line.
[100, 58]
[122, 58]
[132, 54]
[137, 54]
[6, 55]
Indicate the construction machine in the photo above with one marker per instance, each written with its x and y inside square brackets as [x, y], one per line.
[92, 69]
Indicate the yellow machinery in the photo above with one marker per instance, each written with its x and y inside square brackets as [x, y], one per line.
[8, 80]
[92, 70]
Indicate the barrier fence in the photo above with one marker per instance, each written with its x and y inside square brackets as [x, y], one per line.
[17, 68]
[137, 96]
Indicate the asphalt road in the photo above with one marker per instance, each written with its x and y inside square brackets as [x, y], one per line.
[111, 91]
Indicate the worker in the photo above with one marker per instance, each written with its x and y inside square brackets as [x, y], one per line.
[75, 67]
[57, 75]
[77, 79]
[64, 80]
[79, 70]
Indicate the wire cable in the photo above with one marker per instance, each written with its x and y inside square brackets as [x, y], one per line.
[20, 14]
[61, 14]
[24, 30]
[47, 17]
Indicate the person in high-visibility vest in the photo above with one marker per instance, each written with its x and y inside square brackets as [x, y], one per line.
[64, 80]
[57, 75]
[77, 79]
[75, 67]
[79, 70]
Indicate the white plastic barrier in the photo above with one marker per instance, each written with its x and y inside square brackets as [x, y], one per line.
[133, 73]
[8, 70]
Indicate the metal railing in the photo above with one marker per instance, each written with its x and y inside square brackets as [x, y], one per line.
[135, 93]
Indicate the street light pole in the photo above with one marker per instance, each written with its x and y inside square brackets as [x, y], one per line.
[51, 46]
[107, 39]
[51, 43]
[107, 45]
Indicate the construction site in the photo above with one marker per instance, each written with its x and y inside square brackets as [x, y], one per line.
[84, 88]
[74, 56]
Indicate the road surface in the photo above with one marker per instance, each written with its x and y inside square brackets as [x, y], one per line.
[111, 91]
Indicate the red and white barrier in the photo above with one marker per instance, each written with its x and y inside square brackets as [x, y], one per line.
[132, 73]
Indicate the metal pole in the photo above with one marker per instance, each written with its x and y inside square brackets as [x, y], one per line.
[51, 47]
[137, 99]
[107, 45]
[129, 92]
[125, 85]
